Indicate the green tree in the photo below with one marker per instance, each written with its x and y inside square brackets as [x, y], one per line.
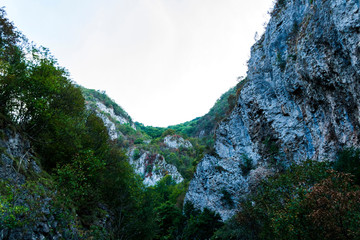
[130, 202]
[169, 220]
[79, 179]
[203, 225]
[348, 161]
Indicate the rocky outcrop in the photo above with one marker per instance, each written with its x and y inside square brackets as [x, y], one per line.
[111, 120]
[152, 167]
[176, 142]
[27, 209]
[15, 155]
[299, 101]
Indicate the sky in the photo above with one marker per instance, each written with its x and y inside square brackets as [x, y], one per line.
[164, 61]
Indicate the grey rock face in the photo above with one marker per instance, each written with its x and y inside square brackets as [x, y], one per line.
[110, 119]
[300, 101]
[153, 167]
[14, 147]
[176, 142]
[43, 219]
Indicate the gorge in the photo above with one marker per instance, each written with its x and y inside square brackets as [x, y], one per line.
[74, 165]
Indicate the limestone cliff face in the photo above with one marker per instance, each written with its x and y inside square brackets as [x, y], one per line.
[152, 167]
[111, 120]
[176, 142]
[39, 217]
[300, 100]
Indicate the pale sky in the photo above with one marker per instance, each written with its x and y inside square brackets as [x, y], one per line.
[164, 61]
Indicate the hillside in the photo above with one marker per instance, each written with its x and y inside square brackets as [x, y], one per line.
[146, 142]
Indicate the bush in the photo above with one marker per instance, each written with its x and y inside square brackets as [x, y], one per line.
[136, 154]
[226, 198]
[169, 220]
[139, 141]
[232, 231]
[79, 179]
[246, 165]
[11, 213]
[334, 206]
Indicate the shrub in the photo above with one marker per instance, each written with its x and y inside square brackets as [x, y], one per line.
[226, 198]
[11, 214]
[334, 205]
[246, 165]
[233, 231]
[281, 63]
[79, 179]
[139, 141]
[136, 154]
[307, 201]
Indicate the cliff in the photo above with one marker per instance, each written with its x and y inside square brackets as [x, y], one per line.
[28, 208]
[299, 101]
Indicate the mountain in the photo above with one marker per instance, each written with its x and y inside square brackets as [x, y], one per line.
[300, 101]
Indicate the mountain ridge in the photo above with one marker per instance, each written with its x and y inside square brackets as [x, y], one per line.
[300, 101]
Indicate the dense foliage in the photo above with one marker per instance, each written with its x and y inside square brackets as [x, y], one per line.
[40, 101]
[176, 224]
[308, 201]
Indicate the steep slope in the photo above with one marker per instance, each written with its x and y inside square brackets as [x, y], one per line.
[110, 112]
[28, 206]
[300, 101]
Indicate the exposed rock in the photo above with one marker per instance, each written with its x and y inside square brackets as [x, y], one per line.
[42, 217]
[14, 148]
[153, 167]
[111, 120]
[176, 142]
[102, 108]
[300, 101]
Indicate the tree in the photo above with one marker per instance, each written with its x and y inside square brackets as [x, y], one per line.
[277, 209]
[203, 225]
[169, 220]
[79, 179]
[348, 161]
[334, 205]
